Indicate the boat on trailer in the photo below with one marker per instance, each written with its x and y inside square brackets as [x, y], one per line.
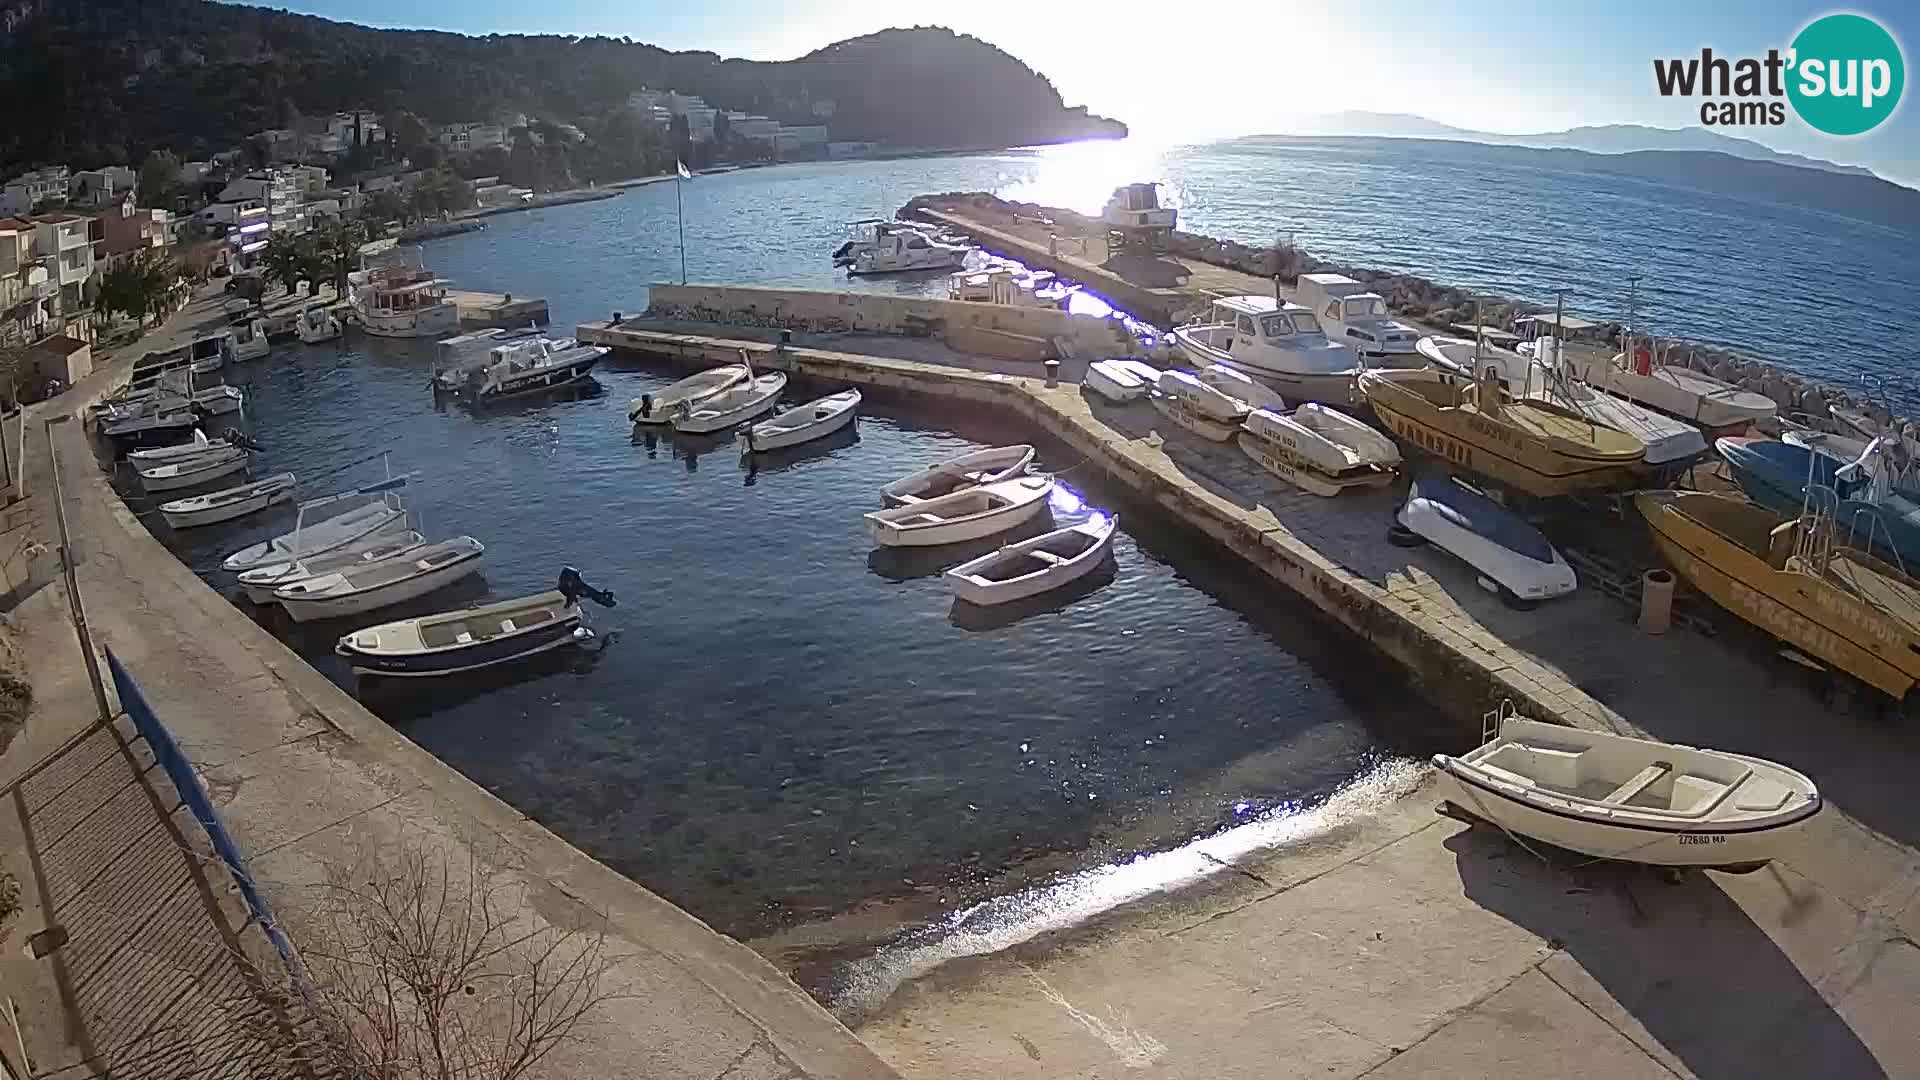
[234, 502]
[1629, 800]
[968, 470]
[1036, 565]
[1280, 342]
[1638, 375]
[475, 638]
[972, 514]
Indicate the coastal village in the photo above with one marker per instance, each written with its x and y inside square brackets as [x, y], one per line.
[1658, 596]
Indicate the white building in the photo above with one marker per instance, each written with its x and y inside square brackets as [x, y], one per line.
[29, 296]
[471, 138]
[23, 193]
[67, 240]
[805, 140]
[340, 127]
[275, 189]
[756, 128]
[102, 187]
[308, 180]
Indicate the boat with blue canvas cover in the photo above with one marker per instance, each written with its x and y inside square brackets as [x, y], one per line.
[1871, 516]
[1516, 558]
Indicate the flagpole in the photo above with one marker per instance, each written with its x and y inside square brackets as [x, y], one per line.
[680, 210]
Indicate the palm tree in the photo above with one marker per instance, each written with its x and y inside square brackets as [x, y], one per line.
[285, 259]
[334, 246]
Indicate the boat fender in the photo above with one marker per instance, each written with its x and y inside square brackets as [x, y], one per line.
[574, 588]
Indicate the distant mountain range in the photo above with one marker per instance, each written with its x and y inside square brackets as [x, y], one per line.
[1600, 139]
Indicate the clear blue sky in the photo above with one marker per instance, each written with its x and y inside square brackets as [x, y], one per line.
[1205, 69]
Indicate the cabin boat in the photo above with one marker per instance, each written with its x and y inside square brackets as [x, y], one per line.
[393, 541]
[972, 514]
[1030, 567]
[209, 353]
[1698, 398]
[884, 247]
[1134, 217]
[226, 505]
[981, 467]
[1541, 377]
[814, 420]
[1514, 559]
[1319, 449]
[1281, 343]
[474, 638]
[1532, 446]
[315, 325]
[525, 367]
[402, 301]
[368, 586]
[862, 234]
[327, 535]
[250, 340]
[658, 408]
[1357, 317]
[733, 406]
[1631, 800]
[193, 471]
[1792, 578]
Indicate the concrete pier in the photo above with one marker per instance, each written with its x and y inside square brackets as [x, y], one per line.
[485, 311]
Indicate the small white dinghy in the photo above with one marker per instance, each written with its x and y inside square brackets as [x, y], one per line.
[803, 423]
[226, 505]
[259, 582]
[334, 532]
[355, 589]
[692, 390]
[973, 514]
[730, 407]
[1199, 408]
[1115, 383]
[968, 470]
[475, 638]
[187, 472]
[194, 447]
[1632, 800]
[1031, 567]
[1242, 387]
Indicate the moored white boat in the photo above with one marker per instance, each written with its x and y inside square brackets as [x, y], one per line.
[219, 400]
[1632, 800]
[659, 408]
[730, 407]
[193, 447]
[475, 638]
[151, 423]
[315, 325]
[323, 536]
[524, 367]
[1033, 566]
[803, 423]
[187, 472]
[250, 340]
[368, 586]
[1512, 557]
[972, 514]
[226, 505]
[1113, 382]
[259, 582]
[968, 470]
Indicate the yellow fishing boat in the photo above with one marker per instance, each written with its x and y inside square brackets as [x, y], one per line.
[1534, 446]
[1790, 579]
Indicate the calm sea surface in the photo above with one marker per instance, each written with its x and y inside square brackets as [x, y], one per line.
[785, 725]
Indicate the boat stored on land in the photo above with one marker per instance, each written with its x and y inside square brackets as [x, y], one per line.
[1512, 556]
[1532, 446]
[226, 505]
[1031, 567]
[1357, 317]
[396, 540]
[1792, 578]
[187, 472]
[729, 407]
[1182, 412]
[1675, 390]
[1281, 343]
[334, 532]
[1115, 383]
[475, 638]
[980, 467]
[973, 514]
[1632, 800]
[1242, 387]
[1319, 449]
[369, 586]
[803, 423]
[1869, 515]
[658, 408]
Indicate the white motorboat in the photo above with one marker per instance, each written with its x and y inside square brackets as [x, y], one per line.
[334, 532]
[1357, 317]
[1009, 283]
[1319, 449]
[1282, 343]
[188, 472]
[803, 423]
[1632, 800]
[730, 407]
[401, 299]
[1513, 559]
[525, 367]
[968, 470]
[658, 408]
[1542, 376]
[475, 638]
[392, 542]
[219, 400]
[871, 235]
[369, 586]
[1673, 389]
[972, 514]
[1030, 567]
[1242, 387]
[1115, 383]
[315, 325]
[250, 341]
[884, 247]
[234, 502]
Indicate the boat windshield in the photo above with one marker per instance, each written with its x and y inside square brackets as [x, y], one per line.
[1361, 307]
[1275, 326]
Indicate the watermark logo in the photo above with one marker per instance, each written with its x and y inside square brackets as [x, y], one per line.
[1843, 75]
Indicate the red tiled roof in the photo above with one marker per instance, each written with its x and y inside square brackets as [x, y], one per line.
[56, 218]
[14, 224]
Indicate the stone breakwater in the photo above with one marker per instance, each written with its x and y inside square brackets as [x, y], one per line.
[1413, 297]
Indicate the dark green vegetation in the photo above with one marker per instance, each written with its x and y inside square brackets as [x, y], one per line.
[107, 80]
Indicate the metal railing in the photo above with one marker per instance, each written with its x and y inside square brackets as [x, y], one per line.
[75, 607]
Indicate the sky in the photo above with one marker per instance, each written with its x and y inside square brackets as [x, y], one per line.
[1207, 69]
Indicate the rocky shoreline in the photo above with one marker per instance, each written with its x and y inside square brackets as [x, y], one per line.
[1413, 297]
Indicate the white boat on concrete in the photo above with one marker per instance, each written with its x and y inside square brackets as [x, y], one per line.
[1673, 389]
[1031, 567]
[1281, 343]
[370, 586]
[188, 472]
[658, 408]
[973, 514]
[1319, 449]
[377, 515]
[1357, 317]
[1514, 560]
[1242, 387]
[968, 470]
[234, 502]
[1115, 383]
[250, 340]
[1203, 398]
[729, 407]
[803, 423]
[1632, 800]
[259, 582]
[315, 325]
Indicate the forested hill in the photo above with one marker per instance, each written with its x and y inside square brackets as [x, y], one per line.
[87, 82]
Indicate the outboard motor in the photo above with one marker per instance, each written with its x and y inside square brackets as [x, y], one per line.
[238, 438]
[646, 404]
[574, 588]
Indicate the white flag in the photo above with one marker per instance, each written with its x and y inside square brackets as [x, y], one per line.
[682, 167]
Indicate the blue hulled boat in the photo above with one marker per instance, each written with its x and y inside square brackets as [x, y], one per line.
[1775, 475]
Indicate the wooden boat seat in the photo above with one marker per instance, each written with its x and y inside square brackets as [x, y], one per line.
[1638, 786]
[1047, 557]
[1508, 775]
